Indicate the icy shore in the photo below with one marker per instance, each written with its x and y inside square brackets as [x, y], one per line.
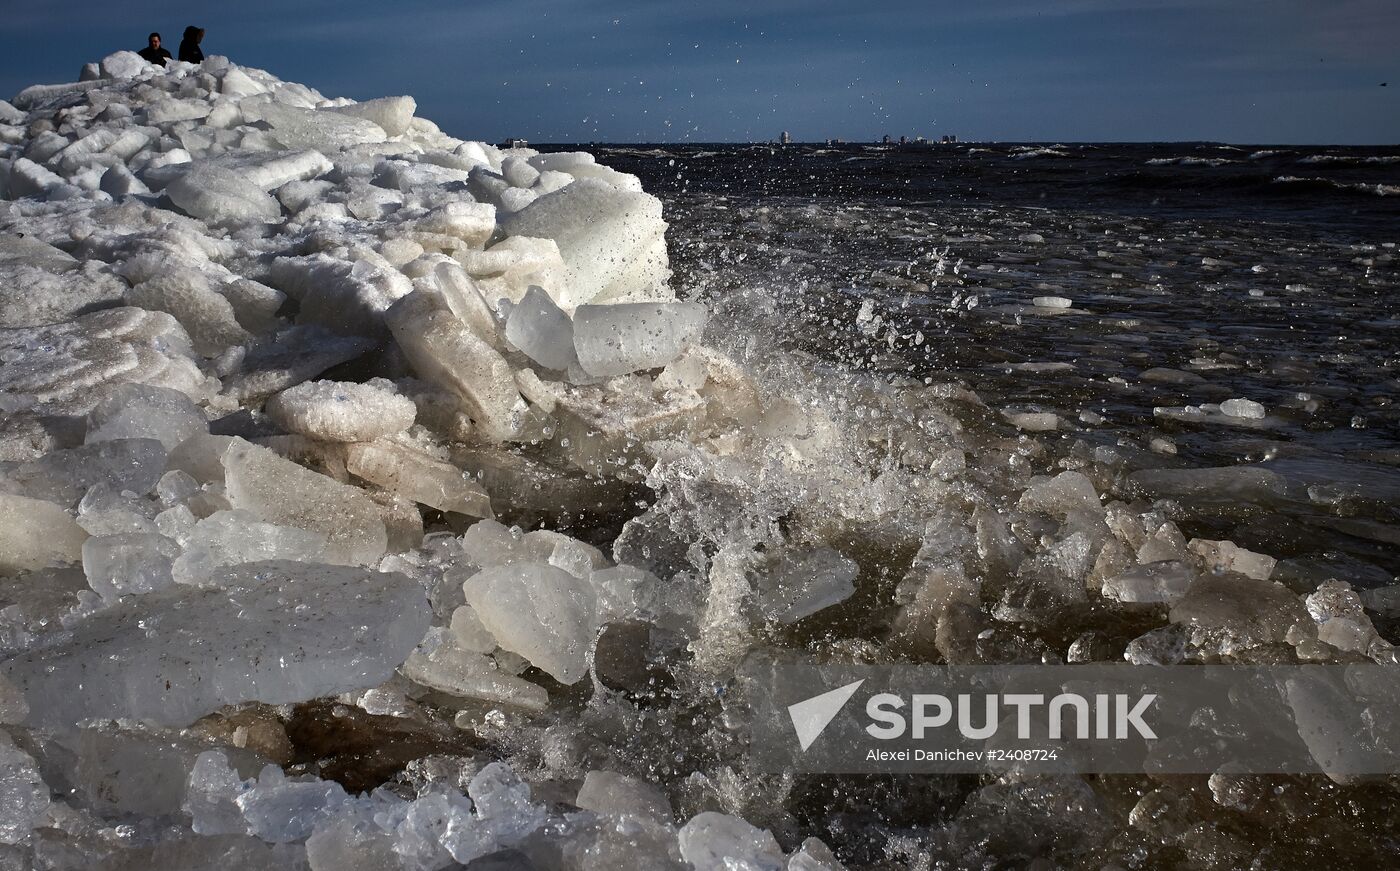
[186, 251]
[284, 380]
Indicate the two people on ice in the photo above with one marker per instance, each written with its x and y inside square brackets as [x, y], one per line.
[189, 48]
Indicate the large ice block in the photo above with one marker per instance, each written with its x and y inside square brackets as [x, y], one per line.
[275, 632]
[623, 338]
[606, 236]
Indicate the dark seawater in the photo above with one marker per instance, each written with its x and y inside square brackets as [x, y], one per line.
[1198, 273]
[1354, 189]
[1195, 274]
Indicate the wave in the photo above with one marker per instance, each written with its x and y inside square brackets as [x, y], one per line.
[639, 152]
[1190, 161]
[1027, 153]
[1379, 190]
[1266, 153]
[1350, 159]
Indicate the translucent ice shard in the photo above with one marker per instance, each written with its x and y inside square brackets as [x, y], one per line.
[541, 612]
[617, 339]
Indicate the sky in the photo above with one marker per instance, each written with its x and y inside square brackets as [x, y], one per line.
[1243, 71]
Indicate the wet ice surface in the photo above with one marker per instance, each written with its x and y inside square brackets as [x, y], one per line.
[371, 498]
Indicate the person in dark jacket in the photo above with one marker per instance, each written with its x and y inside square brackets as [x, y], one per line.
[153, 53]
[189, 46]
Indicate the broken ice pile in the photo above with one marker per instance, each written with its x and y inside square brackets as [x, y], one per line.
[272, 362]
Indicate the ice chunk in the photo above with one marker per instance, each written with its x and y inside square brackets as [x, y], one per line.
[280, 810]
[29, 179]
[541, 330]
[278, 491]
[802, 585]
[281, 492]
[205, 314]
[613, 794]
[623, 338]
[469, 633]
[227, 538]
[290, 357]
[813, 855]
[541, 612]
[323, 130]
[236, 83]
[443, 664]
[119, 565]
[1033, 421]
[1154, 582]
[448, 353]
[123, 65]
[1214, 485]
[1341, 617]
[350, 298]
[35, 534]
[612, 241]
[718, 842]
[503, 806]
[473, 223]
[342, 411]
[209, 798]
[64, 476]
[1226, 556]
[24, 798]
[276, 632]
[519, 172]
[271, 170]
[1062, 495]
[1253, 611]
[67, 367]
[509, 268]
[418, 476]
[462, 296]
[561, 161]
[342, 845]
[222, 197]
[393, 114]
[1052, 302]
[141, 411]
[1246, 408]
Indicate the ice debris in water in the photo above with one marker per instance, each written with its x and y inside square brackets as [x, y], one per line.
[1246, 408]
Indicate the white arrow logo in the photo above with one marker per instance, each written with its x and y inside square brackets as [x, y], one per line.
[810, 717]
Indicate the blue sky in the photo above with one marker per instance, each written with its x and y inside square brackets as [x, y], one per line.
[1249, 71]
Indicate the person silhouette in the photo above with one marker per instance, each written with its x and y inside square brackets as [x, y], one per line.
[189, 46]
[153, 53]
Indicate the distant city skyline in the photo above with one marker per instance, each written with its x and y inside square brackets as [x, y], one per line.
[1243, 71]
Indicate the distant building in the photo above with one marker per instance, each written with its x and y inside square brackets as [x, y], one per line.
[886, 139]
[515, 143]
[786, 138]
